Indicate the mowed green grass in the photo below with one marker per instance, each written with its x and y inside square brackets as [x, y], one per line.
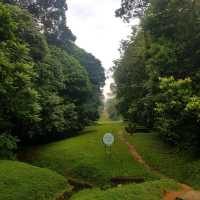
[169, 161]
[147, 191]
[84, 157]
[20, 181]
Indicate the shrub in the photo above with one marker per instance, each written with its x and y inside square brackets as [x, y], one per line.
[178, 113]
[131, 128]
[8, 145]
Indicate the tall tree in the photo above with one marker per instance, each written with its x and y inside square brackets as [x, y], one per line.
[96, 74]
[19, 99]
[150, 80]
[132, 8]
[49, 87]
[50, 16]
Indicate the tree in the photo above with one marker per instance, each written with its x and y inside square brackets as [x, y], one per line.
[50, 17]
[168, 52]
[47, 92]
[130, 77]
[132, 8]
[178, 113]
[96, 75]
[19, 106]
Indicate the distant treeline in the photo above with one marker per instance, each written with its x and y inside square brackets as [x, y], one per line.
[49, 87]
[158, 74]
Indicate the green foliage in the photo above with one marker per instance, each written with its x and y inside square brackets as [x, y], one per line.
[64, 88]
[178, 112]
[96, 76]
[193, 173]
[18, 96]
[50, 17]
[76, 85]
[22, 181]
[45, 92]
[8, 144]
[131, 9]
[134, 99]
[7, 26]
[164, 45]
[131, 128]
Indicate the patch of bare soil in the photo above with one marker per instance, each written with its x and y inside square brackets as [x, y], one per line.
[191, 195]
[176, 195]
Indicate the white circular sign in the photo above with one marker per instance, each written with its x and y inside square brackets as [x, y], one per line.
[108, 139]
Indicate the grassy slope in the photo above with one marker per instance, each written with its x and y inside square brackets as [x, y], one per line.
[167, 160]
[22, 181]
[84, 157]
[146, 191]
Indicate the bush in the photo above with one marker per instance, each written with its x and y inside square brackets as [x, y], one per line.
[131, 128]
[178, 119]
[8, 145]
[193, 173]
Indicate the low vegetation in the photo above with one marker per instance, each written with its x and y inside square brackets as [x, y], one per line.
[22, 181]
[180, 165]
[85, 158]
[146, 191]
[84, 161]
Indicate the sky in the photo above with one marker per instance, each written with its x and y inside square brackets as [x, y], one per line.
[97, 29]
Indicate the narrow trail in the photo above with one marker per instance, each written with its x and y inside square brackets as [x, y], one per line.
[174, 195]
[132, 150]
[170, 195]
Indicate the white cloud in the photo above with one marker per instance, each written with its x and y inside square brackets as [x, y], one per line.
[98, 31]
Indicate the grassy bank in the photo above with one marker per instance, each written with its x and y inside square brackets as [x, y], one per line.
[22, 181]
[166, 159]
[146, 191]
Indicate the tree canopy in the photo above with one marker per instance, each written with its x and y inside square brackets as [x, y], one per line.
[45, 85]
[132, 9]
[157, 75]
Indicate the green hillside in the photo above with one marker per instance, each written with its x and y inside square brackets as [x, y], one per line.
[22, 181]
[84, 157]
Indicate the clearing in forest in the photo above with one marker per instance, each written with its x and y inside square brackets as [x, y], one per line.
[84, 160]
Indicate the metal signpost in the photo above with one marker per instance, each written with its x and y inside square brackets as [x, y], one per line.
[108, 140]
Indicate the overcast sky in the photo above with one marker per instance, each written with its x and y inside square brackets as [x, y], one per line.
[98, 31]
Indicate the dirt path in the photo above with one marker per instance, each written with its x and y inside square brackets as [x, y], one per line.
[132, 150]
[171, 195]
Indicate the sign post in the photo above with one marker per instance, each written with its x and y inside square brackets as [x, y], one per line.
[108, 140]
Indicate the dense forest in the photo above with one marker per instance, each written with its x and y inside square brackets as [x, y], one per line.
[49, 87]
[61, 139]
[157, 76]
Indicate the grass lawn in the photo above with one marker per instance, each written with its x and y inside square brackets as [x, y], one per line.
[20, 181]
[177, 165]
[84, 157]
[146, 191]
